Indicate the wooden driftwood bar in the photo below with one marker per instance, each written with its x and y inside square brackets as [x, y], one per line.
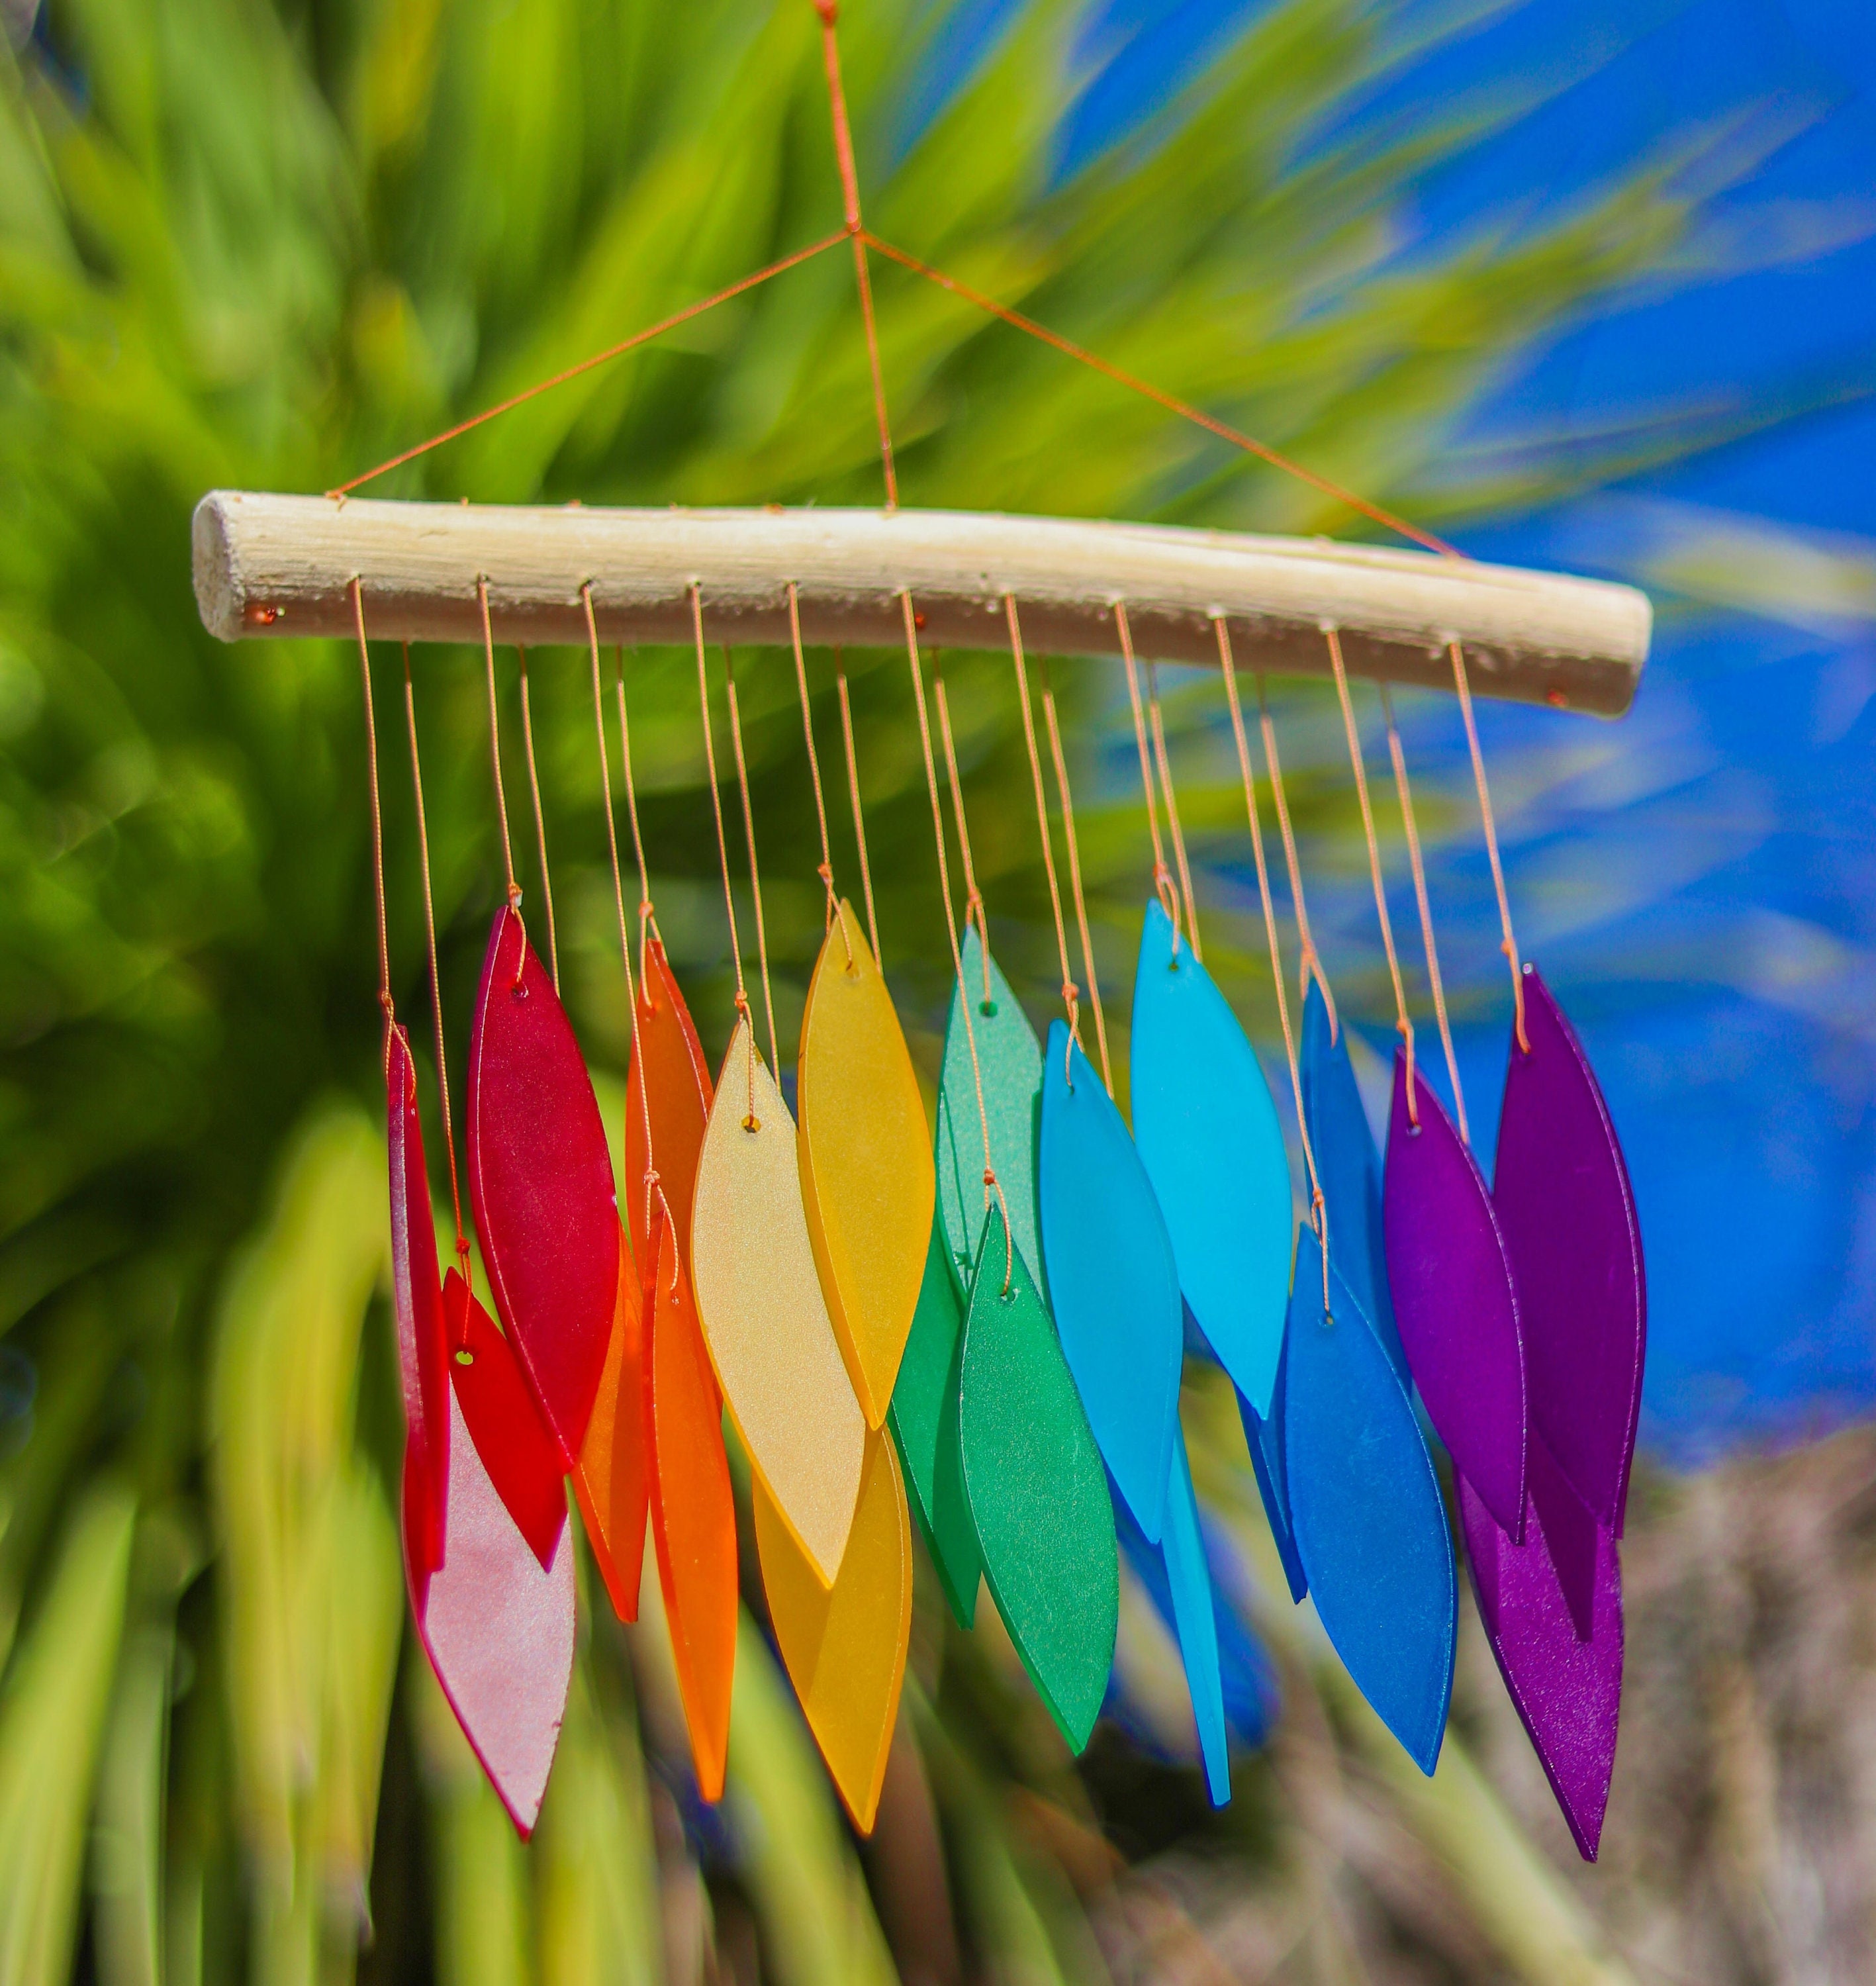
[283, 566]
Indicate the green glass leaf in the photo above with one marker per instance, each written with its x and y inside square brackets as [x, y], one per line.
[923, 1420]
[1037, 1491]
[1011, 1059]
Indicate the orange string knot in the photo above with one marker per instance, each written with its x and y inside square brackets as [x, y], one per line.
[384, 1001]
[828, 10]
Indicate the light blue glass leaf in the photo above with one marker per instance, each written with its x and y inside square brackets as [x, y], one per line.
[1112, 1280]
[1349, 1169]
[1371, 1526]
[1209, 1138]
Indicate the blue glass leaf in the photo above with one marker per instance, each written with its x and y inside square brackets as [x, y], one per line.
[1210, 1140]
[1113, 1284]
[1265, 1438]
[1349, 1167]
[1370, 1524]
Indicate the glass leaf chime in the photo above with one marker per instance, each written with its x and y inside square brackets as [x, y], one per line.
[612, 1484]
[417, 1290]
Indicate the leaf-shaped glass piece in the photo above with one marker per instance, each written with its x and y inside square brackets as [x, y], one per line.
[516, 1449]
[1349, 1169]
[1450, 1275]
[764, 1317]
[866, 1171]
[499, 1629]
[613, 1481]
[844, 1648]
[693, 1515]
[541, 1181]
[1176, 1574]
[1564, 1201]
[1371, 1525]
[1113, 1283]
[924, 1421]
[417, 1299]
[669, 1079]
[1011, 1059]
[1210, 1140]
[1263, 1436]
[1565, 1674]
[1038, 1492]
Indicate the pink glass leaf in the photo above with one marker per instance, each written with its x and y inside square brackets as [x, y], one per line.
[1563, 1202]
[504, 1423]
[1454, 1300]
[498, 1628]
[1564, 1671]
[417, 1299]
[541, 1181]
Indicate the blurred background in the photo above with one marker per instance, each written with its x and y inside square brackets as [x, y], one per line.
[1592, 286]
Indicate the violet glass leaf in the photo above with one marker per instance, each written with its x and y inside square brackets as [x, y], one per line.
[1209, 1139]
[1563, 1198]
[1450, 1275]
[417, 1299]
[540, 1181]
[1370, 1522]
[1565, 1682]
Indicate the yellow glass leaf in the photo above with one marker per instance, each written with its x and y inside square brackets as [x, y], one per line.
[765, 1320]
[867, 1176]
[845, 1649]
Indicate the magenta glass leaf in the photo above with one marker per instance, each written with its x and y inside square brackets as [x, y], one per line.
[1563, 1668]
[1454, 1300]
[540, 1181]
[417, 1300]
[498, 1628]
[510, 1438]
[1563, 1203]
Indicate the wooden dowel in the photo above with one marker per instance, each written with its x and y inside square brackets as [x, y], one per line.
[282, 566]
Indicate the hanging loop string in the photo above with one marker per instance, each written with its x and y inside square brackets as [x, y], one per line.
[1310, 964]
[541, 822]
[1162, 876]
[1509, 943]
[1402, 1023]
[1318, 1206]
[973, 897]
[648, 918]
[1405, 790]
[385, 1006]
[429, 927]
[750, 1122]
[501, 798]
[1067, 799]
[748, 836]
[1071, 993]
[1172, 808]
[825, 870]
[853, 793]
[650, 1181]
[991, 1185]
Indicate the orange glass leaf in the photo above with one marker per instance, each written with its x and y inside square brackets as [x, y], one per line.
[613, 1481]
[693, 1517]
[844, 1649]
[764, 1317]
[867, 1181]
[670, 1079]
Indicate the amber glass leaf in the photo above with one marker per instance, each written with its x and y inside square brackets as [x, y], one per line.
[670, 1079]
[613, 1481]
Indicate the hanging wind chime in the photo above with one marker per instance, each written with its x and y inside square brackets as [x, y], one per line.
[977, 1326]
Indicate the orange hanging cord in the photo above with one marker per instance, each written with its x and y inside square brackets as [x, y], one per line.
[1067, 799]
[1509, 943]
[748, 835]
[1418, 867]
[501, 798]
[648, 918]
[1309, 964]
[384, 1005]
[853, 793]
[541, 820]
[1172, 808]
[973, 897]
[1403, 1024]
[1162, 876]
[825, 870]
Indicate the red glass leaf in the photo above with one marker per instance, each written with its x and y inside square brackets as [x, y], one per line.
[613, 1481]
[541, 1181]
[499, 1629]
[674, 1082]
[693, 1516]
[417, 1298]
[516, 1450]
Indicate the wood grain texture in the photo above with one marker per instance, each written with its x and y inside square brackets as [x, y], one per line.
[283, 566]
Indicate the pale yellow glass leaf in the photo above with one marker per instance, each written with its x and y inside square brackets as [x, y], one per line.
[867, 1176]
[764, 1317]
[845, 1648]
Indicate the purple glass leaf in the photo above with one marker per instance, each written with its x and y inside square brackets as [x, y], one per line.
[1454, 1300]
[1565, 1206]
[1564, 1672]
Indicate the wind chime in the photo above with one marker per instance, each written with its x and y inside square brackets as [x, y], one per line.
[981, 1326]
